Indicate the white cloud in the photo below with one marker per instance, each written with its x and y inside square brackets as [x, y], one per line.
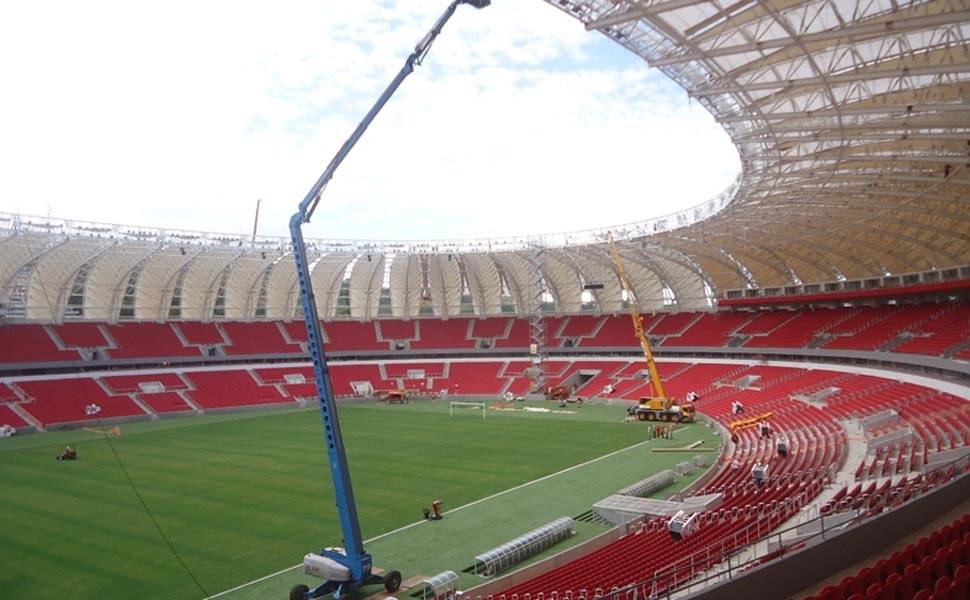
[182, 114]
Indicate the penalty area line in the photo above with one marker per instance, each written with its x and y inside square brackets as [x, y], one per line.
[448, 512]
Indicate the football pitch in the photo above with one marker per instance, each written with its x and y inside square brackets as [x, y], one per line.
[240, 496]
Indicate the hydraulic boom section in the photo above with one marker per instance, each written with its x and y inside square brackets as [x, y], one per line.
[344, 569]
[658, 407]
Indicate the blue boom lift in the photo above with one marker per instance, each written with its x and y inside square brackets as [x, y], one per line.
[344, 569]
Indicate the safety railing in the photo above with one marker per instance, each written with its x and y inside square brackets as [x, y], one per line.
[754, 545]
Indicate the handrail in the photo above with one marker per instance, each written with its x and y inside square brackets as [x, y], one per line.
[683, 573]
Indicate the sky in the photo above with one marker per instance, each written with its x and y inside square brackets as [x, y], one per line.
[182, 114]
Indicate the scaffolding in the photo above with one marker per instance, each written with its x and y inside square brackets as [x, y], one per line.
[537, 325]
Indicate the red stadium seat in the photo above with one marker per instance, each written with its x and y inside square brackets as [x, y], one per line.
[875, 592]
[961, 586]
[891, 588]
[943, 587]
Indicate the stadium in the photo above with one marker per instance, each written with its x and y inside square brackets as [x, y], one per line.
[764, 395]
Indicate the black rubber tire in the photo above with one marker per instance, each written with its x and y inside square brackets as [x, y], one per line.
[299, 592]
[392, 581]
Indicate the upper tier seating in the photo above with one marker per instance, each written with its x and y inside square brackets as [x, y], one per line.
[940, 333]
[931, 329]
[766, 322]
[295, 330]
[580, 326]
[798, 331]
[80, 335]
[518, 336]
[198, 333]
[30, 343]
[257, 338]
[712, 329]
[672, 323]
[490, 328]
[347, 336]
[616, 331]
[393, 329]
[443, 334]
[883, 327]
[147, 340]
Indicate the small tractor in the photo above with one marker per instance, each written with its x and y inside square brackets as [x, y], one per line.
[558, 393]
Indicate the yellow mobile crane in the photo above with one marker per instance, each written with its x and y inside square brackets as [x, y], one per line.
[658, 407]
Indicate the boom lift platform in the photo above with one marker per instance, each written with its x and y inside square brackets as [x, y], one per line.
[349, 568]
[659, 406]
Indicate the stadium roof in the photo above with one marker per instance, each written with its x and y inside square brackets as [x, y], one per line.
[852, 120]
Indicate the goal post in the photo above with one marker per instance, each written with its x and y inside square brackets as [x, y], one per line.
[464, 405]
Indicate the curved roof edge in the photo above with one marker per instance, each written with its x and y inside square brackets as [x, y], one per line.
[57, 227]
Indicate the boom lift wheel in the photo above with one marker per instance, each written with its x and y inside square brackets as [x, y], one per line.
[392, 581]
[299, 592]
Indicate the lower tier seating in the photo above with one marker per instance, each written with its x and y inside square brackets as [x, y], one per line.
[222, 389]
[9, 417]
[934, 567]
[53, 401]
[165, 402]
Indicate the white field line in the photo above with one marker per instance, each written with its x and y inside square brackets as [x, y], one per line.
[448, 512]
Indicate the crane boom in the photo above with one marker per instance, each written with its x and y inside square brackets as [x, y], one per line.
[641, 334]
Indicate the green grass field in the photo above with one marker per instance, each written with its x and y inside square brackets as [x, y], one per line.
[243, 495]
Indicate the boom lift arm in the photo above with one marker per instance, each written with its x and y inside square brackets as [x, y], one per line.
[349, 568]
